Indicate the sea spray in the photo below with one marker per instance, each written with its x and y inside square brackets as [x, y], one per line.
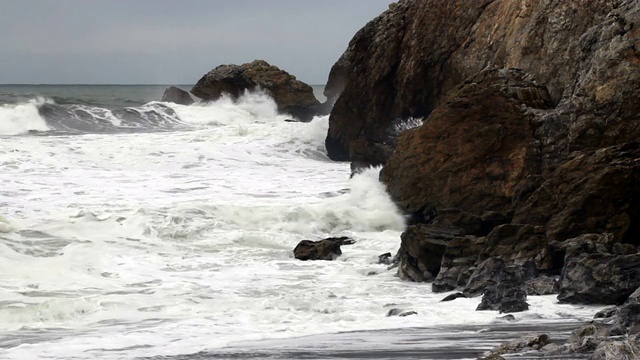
[17, 119]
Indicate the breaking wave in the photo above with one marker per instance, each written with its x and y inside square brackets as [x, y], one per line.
[54, 116]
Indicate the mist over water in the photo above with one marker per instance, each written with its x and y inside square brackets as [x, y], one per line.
[171, 232]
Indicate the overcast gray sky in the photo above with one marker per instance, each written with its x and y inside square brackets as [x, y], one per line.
[172, 41]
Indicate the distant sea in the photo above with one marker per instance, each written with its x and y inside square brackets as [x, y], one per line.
[132, 228]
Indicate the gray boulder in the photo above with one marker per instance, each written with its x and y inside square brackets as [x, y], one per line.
[178, 96]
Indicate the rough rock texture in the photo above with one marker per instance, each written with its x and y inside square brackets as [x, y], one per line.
[458, 262]
[406, 61]
[627, 349]
[291, 95]
[505, 297]
[326, 249]
[176, 95]
[480, 140]
[527, 343]
[421, 251]
[543, 285]
[494, 271]
[592, 192]
[529, 122]
[593, 275]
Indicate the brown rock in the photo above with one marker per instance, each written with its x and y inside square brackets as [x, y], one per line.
[406, 61]
[291, 95]
[592, 192]
[472, 152]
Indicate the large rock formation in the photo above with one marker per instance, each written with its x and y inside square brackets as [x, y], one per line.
[290, 94]
[405, 63]
[479, 140]
[530, 126]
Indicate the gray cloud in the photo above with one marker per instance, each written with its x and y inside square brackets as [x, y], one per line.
[162, 41]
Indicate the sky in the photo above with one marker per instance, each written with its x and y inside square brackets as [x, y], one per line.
[172, 41]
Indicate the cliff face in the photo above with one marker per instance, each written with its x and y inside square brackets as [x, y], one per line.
[531, 118]
[405, 62]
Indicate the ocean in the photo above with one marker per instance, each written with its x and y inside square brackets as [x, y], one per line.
[136, 229]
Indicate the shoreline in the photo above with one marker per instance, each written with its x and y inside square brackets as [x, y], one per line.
[438, 342]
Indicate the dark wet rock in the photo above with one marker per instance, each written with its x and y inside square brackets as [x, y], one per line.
[505, 298]
[470, 224]
[591, 276]
[326, 249]
[606, 312]
[386, 259]
[628, 316]
[394, 312]
[176, 95]
[491, 219]
[453, 297]
[626, 349]
[494, 271]
[291, 95]
[458, 263]
[623, 249]
[634, 298]
[421, 250]
[527, 343]
[408, 313]
[365, 154]
[519, 244]
[542, 285]
[400, 312]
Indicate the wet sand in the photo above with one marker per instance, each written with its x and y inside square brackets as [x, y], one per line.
[467, 342]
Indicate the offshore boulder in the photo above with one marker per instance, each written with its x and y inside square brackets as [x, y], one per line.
[176, 95]
[326, 249]
[291, 95]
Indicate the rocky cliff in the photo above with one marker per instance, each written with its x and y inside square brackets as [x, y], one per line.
[531, 117]
[407, 61]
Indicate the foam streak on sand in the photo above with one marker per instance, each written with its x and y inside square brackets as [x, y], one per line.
[163, 243]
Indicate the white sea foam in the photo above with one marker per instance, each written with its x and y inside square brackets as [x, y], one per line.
[127, 245]
[20, 118]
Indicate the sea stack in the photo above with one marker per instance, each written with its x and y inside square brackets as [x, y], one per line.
[291, 95]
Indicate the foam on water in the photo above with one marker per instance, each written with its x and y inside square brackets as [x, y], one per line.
[124, 245]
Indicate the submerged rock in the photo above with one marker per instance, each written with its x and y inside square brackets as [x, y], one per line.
[326, 249]
[178, 96]
[291, 95]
